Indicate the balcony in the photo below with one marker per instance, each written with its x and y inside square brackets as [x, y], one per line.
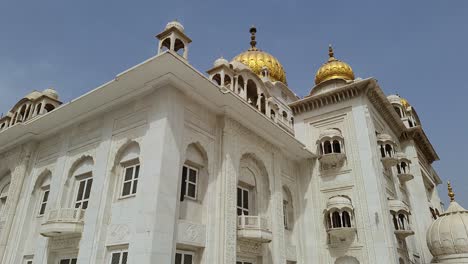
[63, 221]
[403, 233]
[253, 228]
[332, 159]
[389, 161]
[404, 177]
[342, 233]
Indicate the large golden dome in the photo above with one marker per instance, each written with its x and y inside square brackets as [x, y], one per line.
[256, 59]
[334, 69]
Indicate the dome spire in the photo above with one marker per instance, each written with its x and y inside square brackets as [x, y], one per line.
[331, 54]
[451, 194]
[253, 42]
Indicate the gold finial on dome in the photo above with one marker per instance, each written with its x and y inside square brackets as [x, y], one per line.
[334, 69]
[330, 53]
[257, 60]
[451, 194]
[253, 42]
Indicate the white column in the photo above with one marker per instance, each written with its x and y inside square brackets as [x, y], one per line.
[156, 201]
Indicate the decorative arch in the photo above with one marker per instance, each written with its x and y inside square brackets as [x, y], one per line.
[44, 176]
[346, 260]
[130, 150]
[288, 208]
[261, 191]
[80, 166]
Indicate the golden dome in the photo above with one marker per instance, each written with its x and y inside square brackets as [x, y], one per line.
[334, 69]
[404, 102]
[257, 59]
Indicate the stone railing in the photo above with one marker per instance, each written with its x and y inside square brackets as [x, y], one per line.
[65, 215]
[252, 222]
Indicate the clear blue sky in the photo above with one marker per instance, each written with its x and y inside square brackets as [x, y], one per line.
[415, 48]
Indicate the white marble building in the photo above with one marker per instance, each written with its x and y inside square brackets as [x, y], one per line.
[165, 164]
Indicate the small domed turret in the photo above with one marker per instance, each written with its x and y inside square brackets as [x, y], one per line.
[447, 237]
[175, 24]
[51, 93]
[220, 61]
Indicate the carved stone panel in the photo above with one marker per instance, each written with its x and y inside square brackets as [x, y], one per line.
[192, 234]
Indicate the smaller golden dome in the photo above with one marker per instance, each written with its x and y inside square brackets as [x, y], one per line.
[404, 102]
[334, 69]
[257, 59]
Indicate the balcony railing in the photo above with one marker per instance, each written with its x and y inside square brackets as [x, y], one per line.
[63, 221]
[253, 228]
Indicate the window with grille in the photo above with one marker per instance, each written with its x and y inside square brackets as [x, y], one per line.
[189, 183]
[285, 214]
[242, 201]
[83, 192]
[119, 257]
[44, 199]
[184, 257]
[130, 180]
[68, 261]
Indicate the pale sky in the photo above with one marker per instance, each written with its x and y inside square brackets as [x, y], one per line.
[414, 48]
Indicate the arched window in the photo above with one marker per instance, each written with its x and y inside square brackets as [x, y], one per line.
[395, 221]
[388, 150]
[336, 220]
[327, 147]
[240, 84]
[38, 109]
[288, 211]
[129, 161]
[292, 121]
[49, 107]
[217, 79]
[227, 80]
[336, 146]
[42, 190]
[346, 219]
[285, 116]
[262, 104]
[81, 174]
[382, 151]
[401, 221]
[272, 114]
[179, 47]
[403, 167]
[165, 45]
[398, 110]
[252, 94]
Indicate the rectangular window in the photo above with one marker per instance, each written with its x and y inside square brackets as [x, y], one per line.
[189, 183]
[84, 190]
[119, 257]
[45, 198]
[242, 201]
[285, 213]
[68, 261]
[184, 257]
[130, 180]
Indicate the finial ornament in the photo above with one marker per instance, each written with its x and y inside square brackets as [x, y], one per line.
[450, 192]
[253, 42]
[330, 51]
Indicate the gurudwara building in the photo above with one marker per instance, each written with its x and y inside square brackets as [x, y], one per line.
[166, 164]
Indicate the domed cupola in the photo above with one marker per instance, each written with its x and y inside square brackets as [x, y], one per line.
[334, 69]
[257, 60]
[447, 237]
